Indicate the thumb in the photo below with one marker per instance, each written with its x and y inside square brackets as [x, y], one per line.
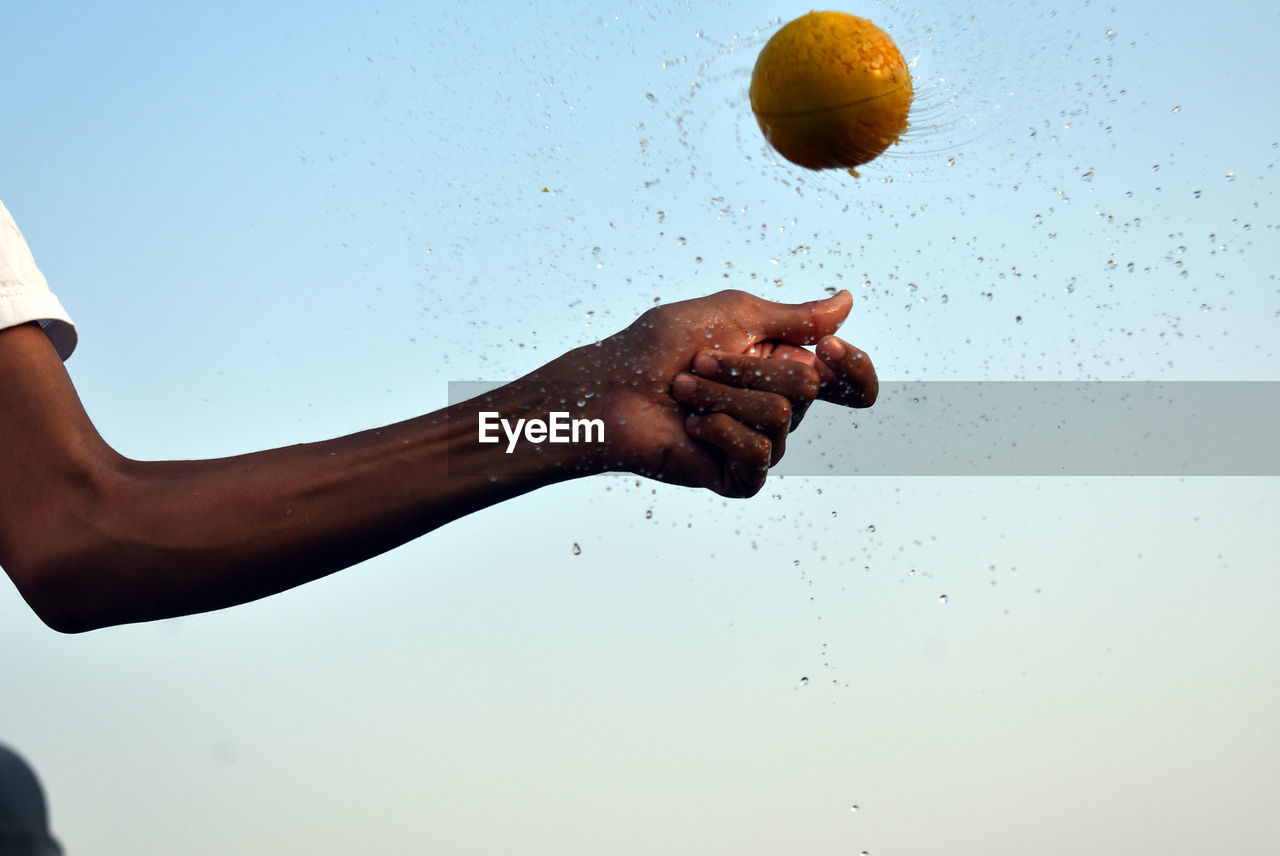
[804, 323]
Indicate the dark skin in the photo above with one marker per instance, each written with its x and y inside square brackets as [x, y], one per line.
[700, 393]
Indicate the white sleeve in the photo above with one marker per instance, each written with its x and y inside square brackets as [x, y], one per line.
[24, 294]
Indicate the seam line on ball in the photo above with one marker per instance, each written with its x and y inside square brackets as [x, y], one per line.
[831, 107]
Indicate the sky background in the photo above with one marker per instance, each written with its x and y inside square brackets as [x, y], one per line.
[281, 224]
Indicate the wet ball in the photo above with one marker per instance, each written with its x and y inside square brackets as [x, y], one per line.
[831, 91]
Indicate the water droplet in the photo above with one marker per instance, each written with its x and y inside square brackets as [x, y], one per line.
[1112, 264]
[577, 550]
[1088, 176]
[1231, 176]
[871, 528]
[911, 573]
[1129, 267]
[951, 161]
[943, 299]
[854, 808]
[1176, 109]
[943, 599]
[648, 515]
[804, 682]
[1018, 319]
[654, 98]
[1111, 34]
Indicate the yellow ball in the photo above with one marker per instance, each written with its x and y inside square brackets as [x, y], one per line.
[831, 90]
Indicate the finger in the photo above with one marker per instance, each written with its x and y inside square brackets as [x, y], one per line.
[765, 412]
[784, 351]
[747, 453]
[798, 323]
[795, 379]
[848, 377]
[780, 368]
[774, 350]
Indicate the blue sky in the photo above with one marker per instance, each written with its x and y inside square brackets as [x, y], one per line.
[280, 225]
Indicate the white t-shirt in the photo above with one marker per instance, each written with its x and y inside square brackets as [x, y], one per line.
[24, 294]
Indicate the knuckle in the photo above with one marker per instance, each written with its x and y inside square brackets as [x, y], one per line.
[779, 417]
[652, 318]
[718, 423]
[743, 485]
[736, 298]
[809, 382]
[797, 416]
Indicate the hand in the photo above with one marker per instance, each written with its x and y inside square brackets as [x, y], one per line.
[746, 387]
[729, 445]
[839, 373]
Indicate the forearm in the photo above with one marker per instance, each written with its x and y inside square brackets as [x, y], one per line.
[155, 539]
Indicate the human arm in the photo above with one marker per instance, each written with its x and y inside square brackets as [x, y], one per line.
[91, 538]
